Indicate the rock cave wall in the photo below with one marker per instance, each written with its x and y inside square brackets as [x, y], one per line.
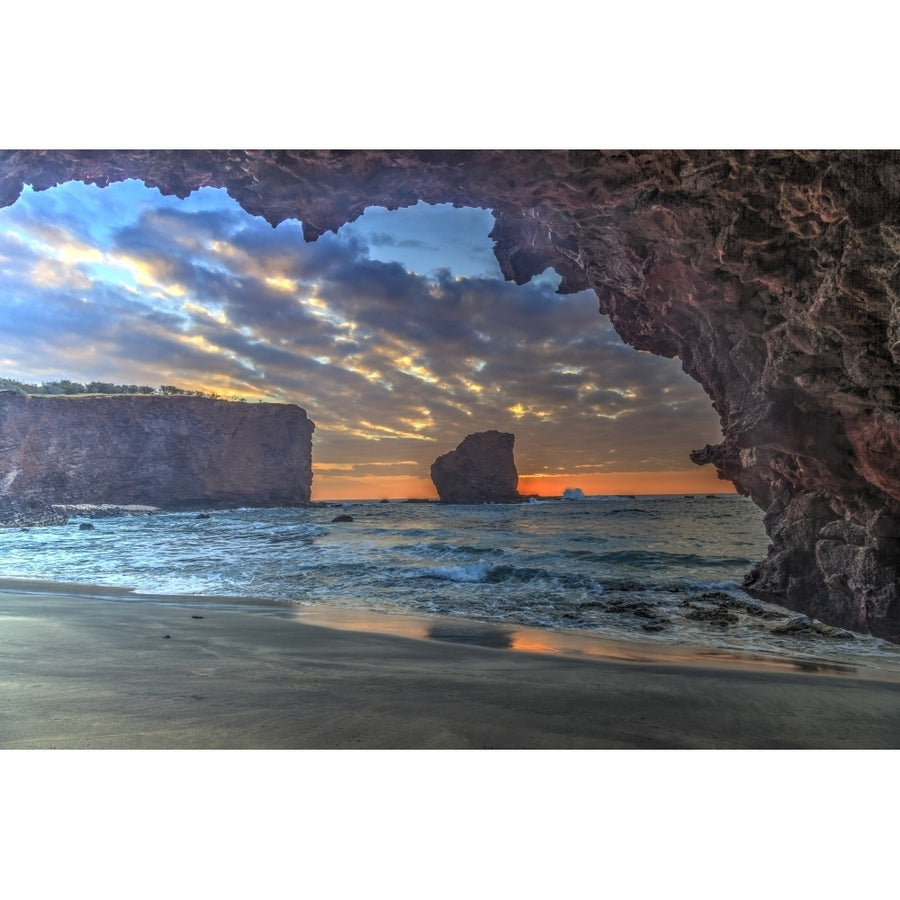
[772, 275]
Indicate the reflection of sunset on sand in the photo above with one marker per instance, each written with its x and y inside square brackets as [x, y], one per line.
[571, 644]
[82, 672]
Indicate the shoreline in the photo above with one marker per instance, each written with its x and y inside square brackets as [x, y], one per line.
[495, 635]
[149, 671]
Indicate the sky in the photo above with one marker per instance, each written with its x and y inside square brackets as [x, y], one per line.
[397, 335]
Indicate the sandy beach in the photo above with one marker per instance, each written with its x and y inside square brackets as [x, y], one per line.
[94, 668]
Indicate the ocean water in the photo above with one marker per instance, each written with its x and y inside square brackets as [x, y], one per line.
[659, 570]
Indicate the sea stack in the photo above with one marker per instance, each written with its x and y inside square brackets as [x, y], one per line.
[480, 470]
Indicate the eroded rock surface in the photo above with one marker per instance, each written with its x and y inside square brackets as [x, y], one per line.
[166, 452]
[29, 513]
[481, 469]
[772, 275]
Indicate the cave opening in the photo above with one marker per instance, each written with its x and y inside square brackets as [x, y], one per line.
[400, 336]
[808, 412]
[397, 333]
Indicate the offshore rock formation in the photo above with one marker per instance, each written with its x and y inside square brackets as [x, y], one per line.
[772, 275]
[480, 470]
[169, 452]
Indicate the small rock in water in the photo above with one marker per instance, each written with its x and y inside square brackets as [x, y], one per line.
[797, 625]
[655, 620]
[642, 610]
[803, 625]
[85, 526]
[721, 615]
[343, 518]
[718, 597]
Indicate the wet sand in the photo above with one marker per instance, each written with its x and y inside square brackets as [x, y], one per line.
[99, 669]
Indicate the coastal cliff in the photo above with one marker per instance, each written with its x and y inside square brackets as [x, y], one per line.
[169, 452]
[480, 470]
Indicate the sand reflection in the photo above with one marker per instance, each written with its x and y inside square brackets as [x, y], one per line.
[472, 633]
[550, 643]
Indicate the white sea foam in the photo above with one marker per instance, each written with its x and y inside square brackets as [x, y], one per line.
[462, 574]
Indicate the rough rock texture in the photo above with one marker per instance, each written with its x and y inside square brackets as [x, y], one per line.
[169, 452]
[29, 513]
[480, 470]
[772, 275]
[106, 510]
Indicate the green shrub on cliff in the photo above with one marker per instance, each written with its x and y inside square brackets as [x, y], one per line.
[64, 386]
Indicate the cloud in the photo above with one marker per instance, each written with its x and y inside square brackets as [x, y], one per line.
[390, 362]
[383, 239]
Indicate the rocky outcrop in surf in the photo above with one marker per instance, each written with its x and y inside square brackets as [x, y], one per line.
[480, 470]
